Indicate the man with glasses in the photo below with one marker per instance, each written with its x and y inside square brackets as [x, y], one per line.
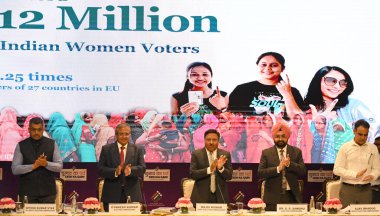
[357, 164]
[281, 166]
[36, 160]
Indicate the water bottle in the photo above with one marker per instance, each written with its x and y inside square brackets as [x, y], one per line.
[25, 201]
[312, 205]
[74, 205]
[129, 200]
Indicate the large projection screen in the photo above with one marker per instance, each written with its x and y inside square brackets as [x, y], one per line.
[125, 58]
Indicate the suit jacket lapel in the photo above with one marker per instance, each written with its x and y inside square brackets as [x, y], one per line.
[115, 153]
[291, 152]
[130, 153]
[275, 155]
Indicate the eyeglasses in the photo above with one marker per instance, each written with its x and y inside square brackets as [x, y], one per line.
[331, 81]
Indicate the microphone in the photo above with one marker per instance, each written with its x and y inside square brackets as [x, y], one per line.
[221, 194]
[145, 206]
[63, 206]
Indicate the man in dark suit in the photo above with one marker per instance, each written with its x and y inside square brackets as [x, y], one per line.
[122, 166]
[210, 168]
[281, 166]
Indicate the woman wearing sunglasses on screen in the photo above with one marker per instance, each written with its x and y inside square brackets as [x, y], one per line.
[328, 95]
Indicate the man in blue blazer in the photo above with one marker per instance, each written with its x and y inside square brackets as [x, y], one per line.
[122, 166]
[281, 166]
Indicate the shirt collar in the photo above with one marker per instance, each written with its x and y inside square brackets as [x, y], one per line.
[285, 148]
[119, 145]
[355, 144]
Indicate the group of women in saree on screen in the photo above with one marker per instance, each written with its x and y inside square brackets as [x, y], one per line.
[320, 122]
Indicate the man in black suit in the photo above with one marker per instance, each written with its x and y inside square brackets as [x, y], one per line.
[210, 168]
[281, 166]
[122, 166]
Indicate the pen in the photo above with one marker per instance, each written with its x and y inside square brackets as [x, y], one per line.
[369, 158]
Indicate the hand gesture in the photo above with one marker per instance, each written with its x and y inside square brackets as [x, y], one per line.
[218, 100]
[119, 169]
[285, 88]
[128, 169]
[361, 173]
[221, 161]
[213, 165]
[189, 108]
[368, 178]
[328, 113]
[40, 161]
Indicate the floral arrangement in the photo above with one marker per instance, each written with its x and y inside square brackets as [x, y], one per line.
[6, 204]
[332, 205]
[184, 202]
[91, 204]
[256, 204]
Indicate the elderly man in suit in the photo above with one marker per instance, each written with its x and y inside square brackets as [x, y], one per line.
[122, 166]
[281, 166]
[210, 168]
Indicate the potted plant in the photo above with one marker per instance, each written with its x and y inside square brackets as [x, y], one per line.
[91, 204]
[257, 205]
[333, 205]
[184, 204]
[7, 204]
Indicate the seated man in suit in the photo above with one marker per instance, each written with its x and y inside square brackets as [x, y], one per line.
[122, 166]
[210, 168]
[281, 166]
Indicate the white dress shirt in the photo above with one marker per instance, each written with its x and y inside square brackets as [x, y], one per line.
[353, 158]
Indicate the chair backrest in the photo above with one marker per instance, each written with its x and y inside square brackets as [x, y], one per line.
[59, 196]
[332, 188]
[262, 187]
[100, 184]
[187, 187]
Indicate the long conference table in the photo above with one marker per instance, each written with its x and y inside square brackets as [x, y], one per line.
[188, 214]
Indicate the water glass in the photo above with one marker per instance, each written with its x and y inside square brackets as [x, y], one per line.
[318, 207]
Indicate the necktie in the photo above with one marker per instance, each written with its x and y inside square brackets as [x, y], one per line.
[283, 181]
[122, 155]
[212, 182]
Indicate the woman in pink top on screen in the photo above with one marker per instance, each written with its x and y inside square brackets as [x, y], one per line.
[10, 133]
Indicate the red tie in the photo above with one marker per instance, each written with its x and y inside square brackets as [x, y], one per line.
[122, 154]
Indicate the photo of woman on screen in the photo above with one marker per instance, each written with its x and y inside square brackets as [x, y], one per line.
[328, 95]
[199, 77]
[270, 93]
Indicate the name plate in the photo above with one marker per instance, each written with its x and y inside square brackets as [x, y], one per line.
[73, 174]
[211, 208]
[292, 208]
[162, 175]
[365, 209]
[125, 208]
[34, 208]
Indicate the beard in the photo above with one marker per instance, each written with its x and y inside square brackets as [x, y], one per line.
[280, 144]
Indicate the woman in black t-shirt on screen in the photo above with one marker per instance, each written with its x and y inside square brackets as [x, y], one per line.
[269, 94]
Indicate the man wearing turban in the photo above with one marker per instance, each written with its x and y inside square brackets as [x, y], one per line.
[281, 166]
